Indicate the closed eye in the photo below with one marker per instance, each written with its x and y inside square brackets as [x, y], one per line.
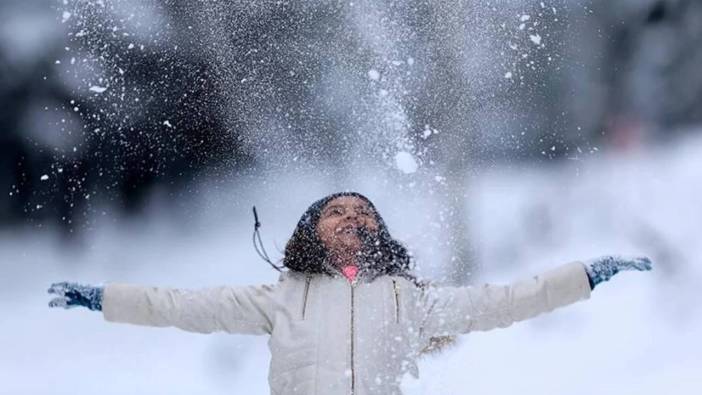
[334, 211]
[363, 211]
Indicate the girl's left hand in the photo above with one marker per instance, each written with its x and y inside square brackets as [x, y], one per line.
[605, 267]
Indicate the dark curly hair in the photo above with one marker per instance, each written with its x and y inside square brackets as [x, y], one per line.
[305, 252]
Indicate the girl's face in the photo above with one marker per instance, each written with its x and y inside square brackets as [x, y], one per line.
[339, 222]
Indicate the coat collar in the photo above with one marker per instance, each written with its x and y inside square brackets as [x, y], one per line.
[365, 275]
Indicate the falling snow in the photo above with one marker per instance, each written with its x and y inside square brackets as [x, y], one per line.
[415, 101]
[373, 74]
[406, 162]
[97, 89]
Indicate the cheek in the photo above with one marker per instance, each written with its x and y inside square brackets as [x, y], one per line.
[325, 230]
[372, 224]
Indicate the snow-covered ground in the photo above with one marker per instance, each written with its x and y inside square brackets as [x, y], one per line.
[638, 334]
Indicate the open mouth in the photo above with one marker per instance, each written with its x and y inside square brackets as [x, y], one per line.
[348, 229]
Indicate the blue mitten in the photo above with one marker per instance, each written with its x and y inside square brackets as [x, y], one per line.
[603, 268]
[73, 294]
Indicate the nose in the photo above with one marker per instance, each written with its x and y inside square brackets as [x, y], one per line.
[351, 215]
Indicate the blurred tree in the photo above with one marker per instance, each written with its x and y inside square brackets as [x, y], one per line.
[639, 77]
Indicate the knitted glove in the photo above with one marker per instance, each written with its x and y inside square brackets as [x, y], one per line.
[73, 294]
[603, 268]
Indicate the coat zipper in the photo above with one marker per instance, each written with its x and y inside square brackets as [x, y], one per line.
[304, 298]
[397, 301]
[353, 373]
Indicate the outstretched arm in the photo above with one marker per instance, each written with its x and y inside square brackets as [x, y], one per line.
[245, 309]
[456, 310]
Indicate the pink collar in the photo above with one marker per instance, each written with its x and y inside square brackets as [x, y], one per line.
[350, 272]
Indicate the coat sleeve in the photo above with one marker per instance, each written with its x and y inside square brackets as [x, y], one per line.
[450, 310]
[243, 310]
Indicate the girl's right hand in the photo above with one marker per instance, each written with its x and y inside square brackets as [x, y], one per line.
[74, 294]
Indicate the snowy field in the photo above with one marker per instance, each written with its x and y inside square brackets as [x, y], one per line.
[638, 334]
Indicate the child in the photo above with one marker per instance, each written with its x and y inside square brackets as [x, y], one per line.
[347, 316]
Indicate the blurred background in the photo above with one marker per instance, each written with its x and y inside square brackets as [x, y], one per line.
[497, 139]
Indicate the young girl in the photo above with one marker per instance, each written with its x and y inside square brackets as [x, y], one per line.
[347, 316]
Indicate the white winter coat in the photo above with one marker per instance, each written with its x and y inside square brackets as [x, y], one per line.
[331, 337]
